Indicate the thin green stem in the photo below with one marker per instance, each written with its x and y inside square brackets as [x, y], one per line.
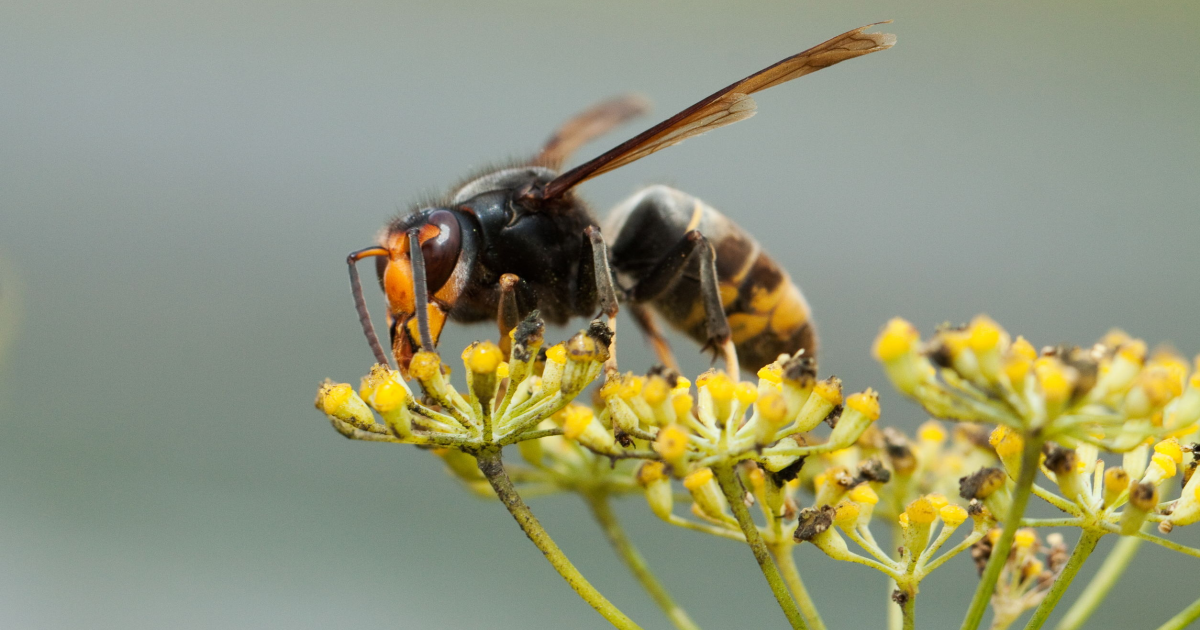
[1173, 546]
[1185, 617]
[791, 575]
[1083, 549]
[602, 510]
[1105, 579]
[895, 616]
[987, 583]
[492, 467]
[735, 495]
[909, 610]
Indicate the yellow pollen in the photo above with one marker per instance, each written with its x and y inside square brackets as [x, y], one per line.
[1024, 538]
[921, 512]
[984, 334]
[582, 348]
[830, 389]
[650, 472]
[939, 501]
[682, 404]
[1170, 448]
[682, 384]
[866, 403]
[703, 379]
[819, 481]
[1016, 368]
[1116, 480]
[1052, 375]
[578, 417]
[1023, 349]
[903, 520]
[387, 396]
[697, 479]
[502, 370]
[1006, 441]
[952, 515]
[773, 408]
[932, 432]
[484, 357]
[720, 387]
[746, 392]
[557, 353]
[610, 387]
[863, 493]
[656, 390]
[771, 373]
[331, 398]
[1166, 463]
[897, 339]
[671, 442]
[631, 386]
[846, 513]
[424, 365]
[1033, 568]
[757, 479]
[1133, 351]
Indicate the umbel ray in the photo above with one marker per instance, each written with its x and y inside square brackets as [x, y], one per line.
[520, 239]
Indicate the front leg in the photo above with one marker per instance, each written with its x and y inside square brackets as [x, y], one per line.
[515, 303]
[596, 285]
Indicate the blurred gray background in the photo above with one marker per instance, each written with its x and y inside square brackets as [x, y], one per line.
[180, 183]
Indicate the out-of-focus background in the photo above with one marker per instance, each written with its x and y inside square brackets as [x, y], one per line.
[180, 183]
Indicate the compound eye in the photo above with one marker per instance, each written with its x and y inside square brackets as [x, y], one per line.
[440, 249]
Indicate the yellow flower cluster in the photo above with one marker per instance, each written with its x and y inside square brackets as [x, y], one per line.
[1109, 395]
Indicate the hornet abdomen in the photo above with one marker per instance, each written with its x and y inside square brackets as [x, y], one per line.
[767, 314]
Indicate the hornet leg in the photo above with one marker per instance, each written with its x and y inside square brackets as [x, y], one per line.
[601, 282]
[645, 320]
[670, 268]
[514, 305]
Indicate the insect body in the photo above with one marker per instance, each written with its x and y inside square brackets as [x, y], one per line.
[517, 239]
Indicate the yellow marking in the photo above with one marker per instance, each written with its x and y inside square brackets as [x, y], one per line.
[791, 313]
[744, 326]
[763, 300]
[729, 293]
[694, 317]
[697, 213]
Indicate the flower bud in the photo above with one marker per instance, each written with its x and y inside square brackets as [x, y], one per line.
[652, 476]
[706, 494]
[340, 402]
[1143, 497]
[861, 410]
[672, 443]
[1116, 482]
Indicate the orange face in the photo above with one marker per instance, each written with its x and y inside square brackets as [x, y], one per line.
[441, 243]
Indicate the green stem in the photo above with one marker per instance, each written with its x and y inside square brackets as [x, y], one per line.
[602, 510]
[1185, 617]
[1083, 549]
[791, 575]
[1105, 579]
[987, 583]
[895, 616]
[492, 467]
[736, 498]
[909, 610]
